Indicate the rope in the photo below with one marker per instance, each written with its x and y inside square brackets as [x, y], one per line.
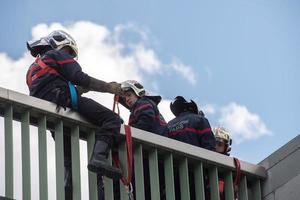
[237, 175]
[126, 181]
[128, 139]
[116, 104]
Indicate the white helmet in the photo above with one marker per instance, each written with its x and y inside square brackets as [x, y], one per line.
[223, 134]
[59, 39]
[137, 88]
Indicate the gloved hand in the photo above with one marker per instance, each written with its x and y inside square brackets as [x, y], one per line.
[81, 90]
[115, 88]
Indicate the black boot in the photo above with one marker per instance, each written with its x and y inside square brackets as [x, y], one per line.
[99, 162]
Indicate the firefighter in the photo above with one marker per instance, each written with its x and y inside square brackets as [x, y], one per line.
[52, 77]
[144, 113]
[223, 140]
[189, 126]
[223, 146]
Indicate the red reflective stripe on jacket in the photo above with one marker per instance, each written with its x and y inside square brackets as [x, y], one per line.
[157, 117]
[43, 72]
[206, 130]
[41, 69]
[33, 67]
[59, 61]
[148, 105]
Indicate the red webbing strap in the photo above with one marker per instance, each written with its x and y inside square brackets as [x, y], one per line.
[44, 70]
[32, 68]
[128, 138]
[116, 104]
[126, 181]
[237, 175]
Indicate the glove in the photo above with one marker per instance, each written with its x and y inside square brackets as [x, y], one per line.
[81, 90]
[102, 86]
[115, 88]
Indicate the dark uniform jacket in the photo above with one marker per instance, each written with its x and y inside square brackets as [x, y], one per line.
[192, 129]
[67, 69]
[144, 114]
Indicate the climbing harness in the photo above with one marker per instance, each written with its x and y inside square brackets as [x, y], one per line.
[40, 68]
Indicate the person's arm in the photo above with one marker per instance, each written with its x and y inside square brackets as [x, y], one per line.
[102, 86]
[71, 70]
[206, 139]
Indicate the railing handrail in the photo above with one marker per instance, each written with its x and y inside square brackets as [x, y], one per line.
[38, 106]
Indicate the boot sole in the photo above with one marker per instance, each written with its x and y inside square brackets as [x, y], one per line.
[108, 172]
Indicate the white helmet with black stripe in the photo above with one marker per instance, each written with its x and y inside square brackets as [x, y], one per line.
[137, 88]
[55, 40]
[59, 39]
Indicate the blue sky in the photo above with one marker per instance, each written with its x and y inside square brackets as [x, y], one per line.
[244, 56]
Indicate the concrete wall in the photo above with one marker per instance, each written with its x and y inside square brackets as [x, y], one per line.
[283, 169]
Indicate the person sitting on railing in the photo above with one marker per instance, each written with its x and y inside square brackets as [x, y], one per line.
[189, 125]
[144, 113]
[51, 77]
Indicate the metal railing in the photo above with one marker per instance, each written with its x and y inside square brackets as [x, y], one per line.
[175, 170]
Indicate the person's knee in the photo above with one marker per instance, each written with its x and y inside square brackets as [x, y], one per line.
[114, 120]
[118, 119]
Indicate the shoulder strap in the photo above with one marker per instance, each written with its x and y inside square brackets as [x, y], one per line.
[73, 94]
[41, 69]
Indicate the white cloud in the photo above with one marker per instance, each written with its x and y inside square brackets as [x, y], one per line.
[164, 108]
[146, 59]
[209, 73]
[141, 32]
[101, 55]
[184, 70]
[208, 109]
[14, 72]
[242, 124]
